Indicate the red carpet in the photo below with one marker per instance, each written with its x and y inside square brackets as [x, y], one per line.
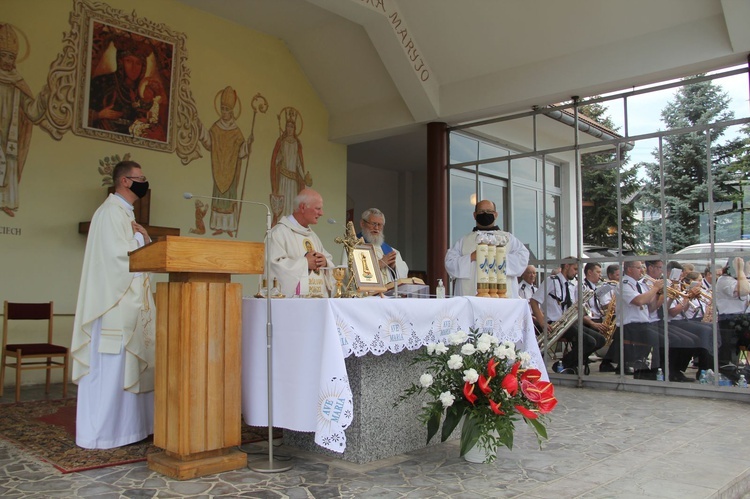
[46, 429]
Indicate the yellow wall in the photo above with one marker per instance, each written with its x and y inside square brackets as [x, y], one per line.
[61, 186]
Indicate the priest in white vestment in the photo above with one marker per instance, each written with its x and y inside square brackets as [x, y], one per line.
[296, 253]
[460, 260]
[114, 328]
[392, 266]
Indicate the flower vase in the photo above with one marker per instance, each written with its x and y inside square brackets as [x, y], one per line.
[479, 454]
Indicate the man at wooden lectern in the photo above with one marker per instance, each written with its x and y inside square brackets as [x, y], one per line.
[296, 253]
[114, 328]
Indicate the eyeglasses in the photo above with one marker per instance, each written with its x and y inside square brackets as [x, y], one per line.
[374, 225]
[142, 178]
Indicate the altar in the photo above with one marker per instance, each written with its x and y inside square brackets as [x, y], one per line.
[340, 364]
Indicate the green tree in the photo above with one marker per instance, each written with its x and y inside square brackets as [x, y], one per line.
[685, 168]
[601, 222]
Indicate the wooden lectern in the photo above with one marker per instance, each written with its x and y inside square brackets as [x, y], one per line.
[197, 392]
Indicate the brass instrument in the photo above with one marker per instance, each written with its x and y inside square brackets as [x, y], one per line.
[706, 296]
[558, 328]
[609, 320]
[672, 292]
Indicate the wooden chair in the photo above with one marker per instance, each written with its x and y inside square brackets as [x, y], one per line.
[21, 352]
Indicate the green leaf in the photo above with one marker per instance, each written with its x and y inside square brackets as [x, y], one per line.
[539, 427]
[452, 417]
[505, 435]
[470, 432]
[432, 425]
[101, 162]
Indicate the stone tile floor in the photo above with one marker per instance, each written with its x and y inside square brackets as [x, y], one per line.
[602, 443]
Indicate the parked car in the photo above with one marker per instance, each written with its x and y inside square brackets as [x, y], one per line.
[605, 256]
[699, 254]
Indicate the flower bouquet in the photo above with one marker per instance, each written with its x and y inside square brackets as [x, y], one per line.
[485, 382]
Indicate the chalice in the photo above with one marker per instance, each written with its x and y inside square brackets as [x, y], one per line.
[339, 273]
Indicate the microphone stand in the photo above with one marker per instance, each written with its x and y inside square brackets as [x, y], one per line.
[272, 466]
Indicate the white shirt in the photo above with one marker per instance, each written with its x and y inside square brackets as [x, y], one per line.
[559, 291]
[631, 313]
[727, 299]
[526, 290]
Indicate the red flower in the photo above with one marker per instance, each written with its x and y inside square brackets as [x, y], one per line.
[492, 368]
[484, 384]
[510, 382]
[469, 392]
[526, 412]
[496, 408]
[532, 375]
[542, 393]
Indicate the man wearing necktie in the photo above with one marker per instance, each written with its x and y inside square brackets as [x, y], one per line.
[551, 300]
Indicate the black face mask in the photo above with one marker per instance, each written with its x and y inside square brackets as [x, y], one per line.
[139, 188]
[485, 219]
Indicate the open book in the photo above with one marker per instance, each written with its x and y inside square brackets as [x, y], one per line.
[412, 287]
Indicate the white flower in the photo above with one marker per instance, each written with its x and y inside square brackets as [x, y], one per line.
[471, 375]
[525, 358]
[484, 343]
[455, 362]
[468, 349]
[502, 352]
[447, 399]
[440, 348]
[425, 380]
[462, 336]
[430, 348]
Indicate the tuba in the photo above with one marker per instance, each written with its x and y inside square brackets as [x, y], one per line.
[558, 328]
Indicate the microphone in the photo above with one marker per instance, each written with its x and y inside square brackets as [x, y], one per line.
[332, 221]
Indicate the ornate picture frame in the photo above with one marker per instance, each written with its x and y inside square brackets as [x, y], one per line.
[367, 275]
[124, 79]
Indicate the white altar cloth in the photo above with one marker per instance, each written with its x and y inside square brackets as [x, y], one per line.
[312, 337]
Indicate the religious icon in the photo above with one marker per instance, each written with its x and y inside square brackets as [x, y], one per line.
[363, 262]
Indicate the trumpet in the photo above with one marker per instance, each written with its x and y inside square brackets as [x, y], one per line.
[672, 292]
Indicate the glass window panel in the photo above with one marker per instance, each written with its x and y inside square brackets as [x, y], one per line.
[525, 219]
[462, 148]
[525, 168]
[552, 172]
[487, 150]
[552, 227]
[497, 194]
[462, 201]
[500, 169]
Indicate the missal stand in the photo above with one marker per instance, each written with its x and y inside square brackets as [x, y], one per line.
[197, 394]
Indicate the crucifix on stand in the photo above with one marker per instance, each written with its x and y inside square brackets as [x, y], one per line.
[350, 241]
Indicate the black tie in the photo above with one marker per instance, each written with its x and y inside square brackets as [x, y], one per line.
[567, 302]
[638, 286]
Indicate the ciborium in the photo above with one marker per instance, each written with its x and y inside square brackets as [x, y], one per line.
[339, 273]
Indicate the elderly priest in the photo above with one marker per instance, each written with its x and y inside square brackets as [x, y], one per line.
[296, 253]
